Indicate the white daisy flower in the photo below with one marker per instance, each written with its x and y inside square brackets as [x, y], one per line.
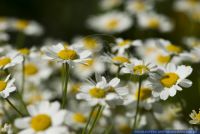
[4, 37]
[7, 86]
[195, 117]
[138, 6]
[192, 42]
[168, 80]
[10, 60]
[122, 45]
[153, 20]
[169, 47]
[103, 93]
[139, 67]
[66, 54]
[111, 22]
[45, 118]
[4, 24]
[28, 27]
[90, 66]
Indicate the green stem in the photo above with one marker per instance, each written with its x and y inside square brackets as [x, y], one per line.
[99, 112]
[118, 71]
[22, 101]
[14, 107]
[65, 84]
[138, 103]
[89, 119]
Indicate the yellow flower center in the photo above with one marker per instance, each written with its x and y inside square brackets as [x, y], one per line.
[4, 61]
[3, 85]
[153, 23]
[90, 43]
[21, 24]
[97, 92]
[124, 43]
[198, 116]
[41, 122]
[120, 59]
[24, 51]
[87, 64]
[140, 69]
[145, 93]
[30, 69]
[173, 48]
[169, 79]
[163, 59]
[112, 24]
[75, 87]
[67, 54]
[79, 117]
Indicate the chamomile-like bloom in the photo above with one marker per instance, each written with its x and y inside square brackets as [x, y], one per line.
[195, 117]
[108, 4]
[7, 86]
[192, 42]
[111, 22]
[118, 60]
[45, 118]
[103, 92]
[169, 47]
[139, 67]
[167, 81]
[27, 27]
[122, 45]
[10, 60]
[66, 54]
[138, 6]
[152, 20]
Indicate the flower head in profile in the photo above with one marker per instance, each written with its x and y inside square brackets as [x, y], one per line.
[195, 117]
[111, 22]
[167, 81]
[139, 67]
[45, 118]
[10, 60]
[122, 45]
[7, 86]
[103, 92]
[66, 54]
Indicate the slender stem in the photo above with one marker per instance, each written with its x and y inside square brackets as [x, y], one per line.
[99, 111]
[22, 101]
[14, 107]
[89, 119]
[138, 102]
[65, 84]
[23, 76]
[118, 71]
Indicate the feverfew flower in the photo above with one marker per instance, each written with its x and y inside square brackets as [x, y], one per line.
[7, 86]
[195, 117]
[45, 118]
[152, 20]
[122, 45]
[139, 67]
[170, 79]
[66, 54]
[10, 60]
[103, 92]
[111, 22]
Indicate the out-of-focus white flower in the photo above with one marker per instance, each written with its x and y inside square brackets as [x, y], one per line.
[139, 67]
[156, 21]
[169, 80]
[186, 5]
[10, 60]
[192, 42]
[66, 54]
[103, 93]
[28, 27]
[138, 6]
[45, 118]
[4, 24]
[90, 66]
[89, 43]
[111, 22]
[108, 4]
[4, 37]
[7, 86]
[195, 117]
[122, 45]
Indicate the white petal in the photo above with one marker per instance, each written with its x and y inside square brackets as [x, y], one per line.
[172, 91]
[186, 83]
[164, 95]
[114, 82]
[22, 123]
[27, 131]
